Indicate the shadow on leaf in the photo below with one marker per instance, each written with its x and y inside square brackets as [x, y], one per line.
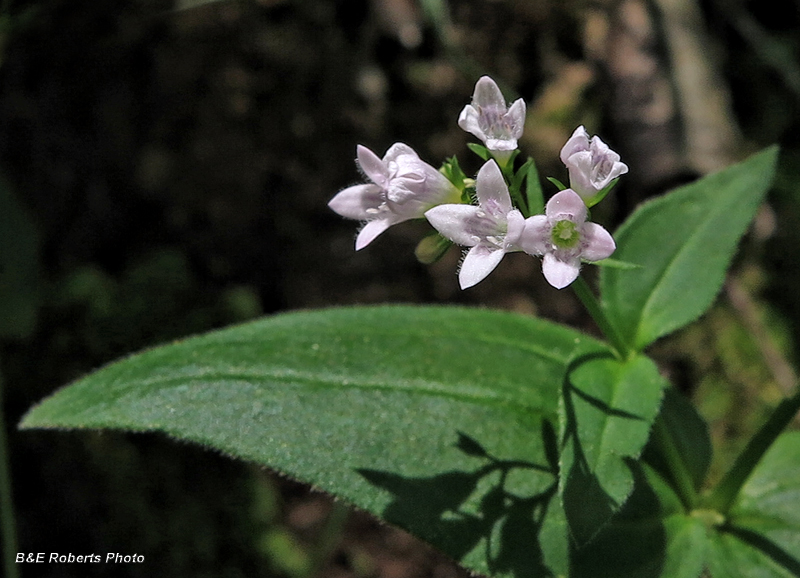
[632, 545]
[461, 511]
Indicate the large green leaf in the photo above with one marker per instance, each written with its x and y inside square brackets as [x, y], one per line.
[607, 410]
[437, 419]
[684, 242]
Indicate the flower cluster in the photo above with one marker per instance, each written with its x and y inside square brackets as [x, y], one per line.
[404, 187]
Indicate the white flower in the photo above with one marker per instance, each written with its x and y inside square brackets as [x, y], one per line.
[563, 237]
[592, 165]
[403, 187]
[491, 229]
[489, 118]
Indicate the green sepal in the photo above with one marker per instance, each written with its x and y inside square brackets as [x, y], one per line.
[615, 263]
[561, 186]
[431, 248]
[479, 150]
[592, 201]
[454, 173]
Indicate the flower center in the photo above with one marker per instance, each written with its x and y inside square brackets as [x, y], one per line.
[565, 234]
[493, 122]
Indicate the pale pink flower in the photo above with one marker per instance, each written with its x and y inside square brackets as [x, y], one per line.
[564, 238]
[403, 187]
[492, 228]
[491, 120]
[591, 164]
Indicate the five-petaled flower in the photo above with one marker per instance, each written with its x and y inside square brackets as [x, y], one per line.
[564, 238]
[403, 187]
[592, 165]
[492, 228]
[491, 120]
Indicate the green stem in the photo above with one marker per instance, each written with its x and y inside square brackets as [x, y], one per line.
[7, 525]
[726, 492]
[594, 308]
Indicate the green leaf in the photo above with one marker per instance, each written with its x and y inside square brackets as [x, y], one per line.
[681, 448]
[766, 518]
[655, 536]
[608, 408]
[533, 189]
[684, 242]
[434, 418]
[20, 271]
[651, 537]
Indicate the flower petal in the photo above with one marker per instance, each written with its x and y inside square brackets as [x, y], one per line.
[398, 149]
[372, 166]
[479, 262]
[451, 222]
[599, 243]
[536, 235]
[516, 226]
[491, 188]
[503, 144]
[560, 273]
[516, 118]
[468, 121]
[371, 230]
[359, 202]
[487, 94]
[579, 141]
[566, 205]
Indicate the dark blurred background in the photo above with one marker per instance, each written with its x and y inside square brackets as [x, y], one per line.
[165, 169]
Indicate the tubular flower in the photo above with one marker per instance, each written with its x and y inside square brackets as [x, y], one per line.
[403, 187]
[492, 228]
[591, 164]
[491, 120]
[563, 237]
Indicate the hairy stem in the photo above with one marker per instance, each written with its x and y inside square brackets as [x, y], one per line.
[594, 308]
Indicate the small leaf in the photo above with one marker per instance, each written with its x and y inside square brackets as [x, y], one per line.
[684, 242]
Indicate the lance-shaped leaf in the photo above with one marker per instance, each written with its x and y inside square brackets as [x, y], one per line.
[434, 418]
[684, 242]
